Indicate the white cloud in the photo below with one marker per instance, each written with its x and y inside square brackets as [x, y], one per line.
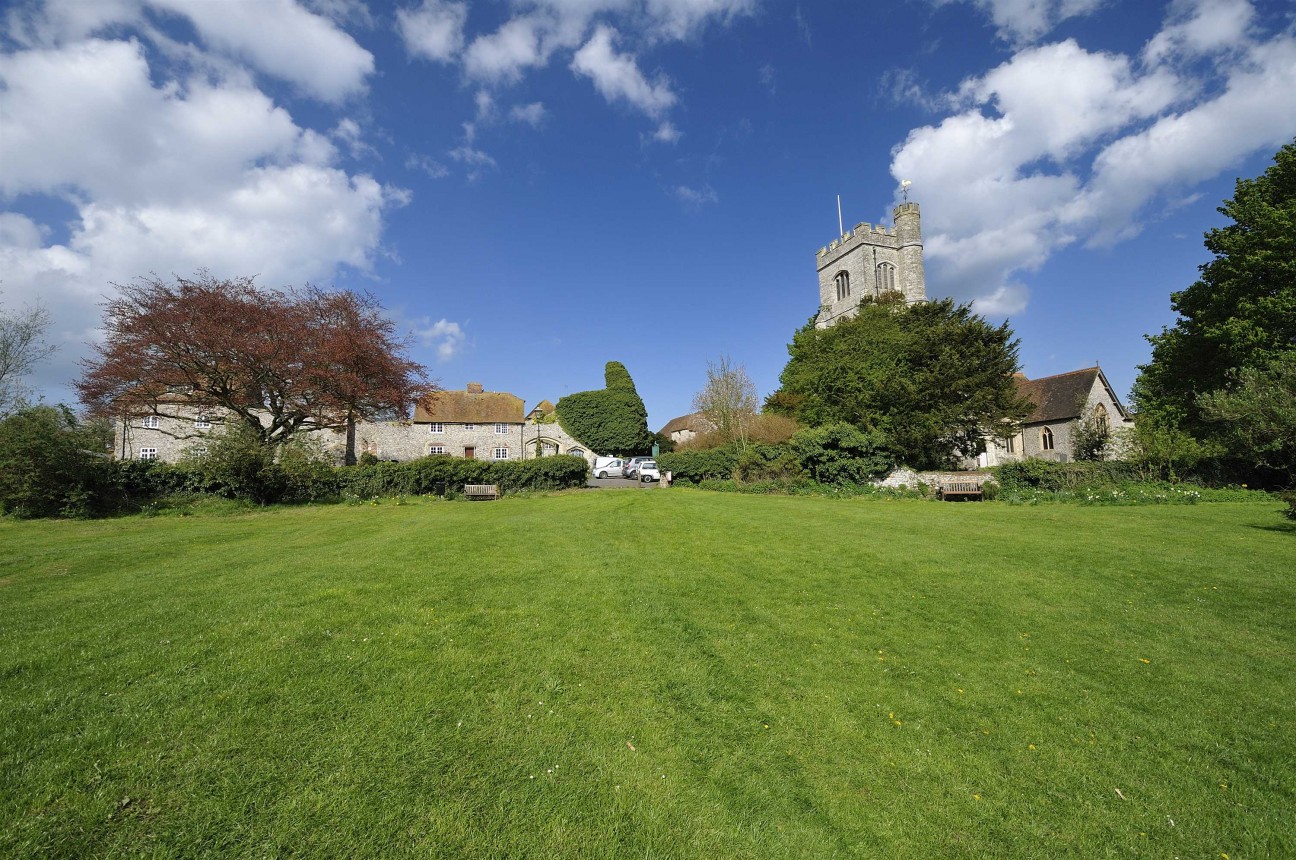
[617, 76]
[502, 56]
[434, 30]
[448, 337]
[1061, 145]
[167, 175]
[695, 196]
[667, 133]
[282, 39]
[532, 114]
[430, 166]
[1024, 21]
[350, 135]
[1200, 28]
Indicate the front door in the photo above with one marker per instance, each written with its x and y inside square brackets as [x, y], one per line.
[470, 453]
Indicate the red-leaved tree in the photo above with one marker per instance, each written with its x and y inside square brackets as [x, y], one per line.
[279, 362]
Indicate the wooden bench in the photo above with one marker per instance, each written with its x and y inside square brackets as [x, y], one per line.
[961, 490]
[481, 491]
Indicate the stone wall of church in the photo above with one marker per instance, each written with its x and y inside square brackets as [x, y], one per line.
[876, 260]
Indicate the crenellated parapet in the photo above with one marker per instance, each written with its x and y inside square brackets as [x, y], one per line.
[869, 261]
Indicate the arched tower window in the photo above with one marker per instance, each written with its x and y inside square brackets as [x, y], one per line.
[1046, 439]
[843, 285]
[1100, 418]
[886, 279]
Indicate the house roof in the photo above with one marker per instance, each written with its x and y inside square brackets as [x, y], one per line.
[543, 406]
[469, 407]
[1062, 397]
[694, 421]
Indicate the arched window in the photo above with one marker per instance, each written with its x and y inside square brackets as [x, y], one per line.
[1046, 439]
[1100, 418]
[843, 285]
[886, 280]
[576, 452]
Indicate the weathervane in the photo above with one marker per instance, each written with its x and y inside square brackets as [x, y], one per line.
[904, 187]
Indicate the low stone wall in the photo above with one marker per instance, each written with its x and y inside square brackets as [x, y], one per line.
[910, 479]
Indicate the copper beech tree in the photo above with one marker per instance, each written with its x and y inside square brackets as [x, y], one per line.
[278, 362]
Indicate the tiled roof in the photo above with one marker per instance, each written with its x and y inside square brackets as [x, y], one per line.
[1058, 398]
[466, 407]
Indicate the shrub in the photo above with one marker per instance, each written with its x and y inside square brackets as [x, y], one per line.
[1050, 476]
[46, 459]
[842, 454]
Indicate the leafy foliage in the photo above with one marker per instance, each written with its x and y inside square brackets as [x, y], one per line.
[838, 454]
[611, 420]
[929, 377]
[47, 463]
[1259, 412]
[1090, 438]
[22, 346]
[1240, 314]
[274, 362]
[842, 454]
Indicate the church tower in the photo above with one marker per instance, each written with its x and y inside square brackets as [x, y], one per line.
[870, 261]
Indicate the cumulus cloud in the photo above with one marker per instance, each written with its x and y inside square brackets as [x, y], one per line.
[448, 337]
[532, 114]
[1024, 21]
[501, 57]
[617, 77]
[154, 171]
[1060, 145]
[434, 30]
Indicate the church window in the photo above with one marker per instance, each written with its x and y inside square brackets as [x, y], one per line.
[843, 285]
[1046, 439]
[1100, 418]
[886, 278]
[1010, 445]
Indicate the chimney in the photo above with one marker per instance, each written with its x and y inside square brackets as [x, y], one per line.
[474, 388]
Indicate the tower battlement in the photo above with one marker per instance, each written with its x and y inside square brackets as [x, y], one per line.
[869, 261]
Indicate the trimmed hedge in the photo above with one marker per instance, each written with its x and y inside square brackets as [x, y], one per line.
[1051, 476]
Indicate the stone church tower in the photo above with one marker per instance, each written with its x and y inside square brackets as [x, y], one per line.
[870, 261]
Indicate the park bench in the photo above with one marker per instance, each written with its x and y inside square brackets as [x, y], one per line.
[961, 490]
[482, 491]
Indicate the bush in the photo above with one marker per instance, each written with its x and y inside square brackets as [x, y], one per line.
[842, 454]
[1051, 476]
[46, 463]
[695, 466]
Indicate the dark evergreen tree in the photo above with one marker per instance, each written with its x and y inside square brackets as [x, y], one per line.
[610, 420]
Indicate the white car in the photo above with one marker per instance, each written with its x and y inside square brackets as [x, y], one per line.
[631, 466]
[647, 471]
[605, 467]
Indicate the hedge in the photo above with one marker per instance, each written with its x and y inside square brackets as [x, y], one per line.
[1052, 476]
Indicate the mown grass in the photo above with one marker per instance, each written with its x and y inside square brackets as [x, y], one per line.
[651, 674]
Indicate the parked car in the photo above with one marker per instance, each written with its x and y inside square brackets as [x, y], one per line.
[632, 466]
[647, 471]
[607, 466]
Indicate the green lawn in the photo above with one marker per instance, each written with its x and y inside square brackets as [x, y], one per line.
[648, 673]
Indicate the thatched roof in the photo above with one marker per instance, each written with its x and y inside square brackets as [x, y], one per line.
[470, 407]
[695, 422]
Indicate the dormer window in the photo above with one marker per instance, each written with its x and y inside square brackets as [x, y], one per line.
[436, 427]
[843, 285]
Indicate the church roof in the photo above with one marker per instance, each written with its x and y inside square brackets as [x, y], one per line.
[1062, 397]
[470, 407]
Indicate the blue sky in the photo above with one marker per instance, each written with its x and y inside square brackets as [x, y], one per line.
[535, 187]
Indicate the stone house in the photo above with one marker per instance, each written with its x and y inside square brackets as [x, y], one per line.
[1061, 403]
[472, 423]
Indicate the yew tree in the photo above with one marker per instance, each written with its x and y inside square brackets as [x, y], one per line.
[278, 362]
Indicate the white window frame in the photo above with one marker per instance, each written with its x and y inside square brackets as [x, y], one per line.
[495, 454]
[501, 428]
[202, 422]
[436, 427]
[436, 449]
[151, 422]
[470, 426]
[148, 453]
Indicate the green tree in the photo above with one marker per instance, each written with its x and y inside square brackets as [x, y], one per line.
[48, 462]
[1240, 314]
[610, 420]
[22, 346]
[1259, 414]
[929, 377]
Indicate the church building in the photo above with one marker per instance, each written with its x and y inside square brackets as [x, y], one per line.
[870, 261]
